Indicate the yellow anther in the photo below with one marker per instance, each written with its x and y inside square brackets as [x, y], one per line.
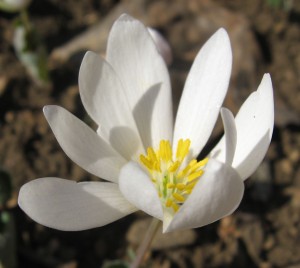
[183, 172]
[179, 148]
[191, 185]
[165, 151]
[146, 162]
[186, 148]
[192, 163]
[204, 161]
[174, 166]
[195, 175]
[178, 197]
[153, 180]
[156, 166]
[199, 164]
[180, 186]
[151, 154]
[168, 151]
[170, 185]
[161, 150]
[169, 203]
[183, 147]
[175, 206]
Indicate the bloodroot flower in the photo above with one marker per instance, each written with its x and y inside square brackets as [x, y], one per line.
[150, 163]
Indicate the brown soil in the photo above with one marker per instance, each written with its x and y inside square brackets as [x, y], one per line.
[263, 232]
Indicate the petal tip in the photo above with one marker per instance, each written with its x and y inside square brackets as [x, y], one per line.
[89, 54]
[125, 17]
[45, 109]
[267, 78]
[48, 109]
[266, 86]
[224, 110]
[222, 33]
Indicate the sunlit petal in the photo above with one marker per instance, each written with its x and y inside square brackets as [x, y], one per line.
[217, 194]
[254, 123]
[83, 145]
[134, 56]
[138, 189]
[70, 206]
[103, 97]
[204, 92]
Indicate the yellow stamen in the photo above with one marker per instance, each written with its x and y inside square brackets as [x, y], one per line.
[180, 186]
[169, 203]
[199, 164]
[179, 148]
[173, 181]
[178, 197]
[195, 175]
[165, 151]
[182, 149]
[151, 154]
[146, 162]
[156, 166]
[183, 172]
[191, 185]
[170, 185]
[175, 206]
[174, 167]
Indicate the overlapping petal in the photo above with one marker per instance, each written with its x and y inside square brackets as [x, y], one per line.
[139, 190]
[204, 92]
[225, 150]
[70, 206]
[83, 145]
[230, 135]
[143, 72]
[217, 194]
[103, 98]
[254, 123]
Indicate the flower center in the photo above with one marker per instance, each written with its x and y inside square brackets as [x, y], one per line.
[173, 182]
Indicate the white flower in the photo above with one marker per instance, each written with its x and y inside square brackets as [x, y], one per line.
[128, 95]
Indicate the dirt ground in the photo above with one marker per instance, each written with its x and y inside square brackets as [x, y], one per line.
[263, 232]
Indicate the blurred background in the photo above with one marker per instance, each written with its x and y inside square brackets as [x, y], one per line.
[41, 48]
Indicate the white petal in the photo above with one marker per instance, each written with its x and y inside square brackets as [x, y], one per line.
[139, 190]
[144, 75]
[204, 92]
[254, 122]
[216, 195]
[224, 151]
[70, 206]
[83, 145]
[103, 97]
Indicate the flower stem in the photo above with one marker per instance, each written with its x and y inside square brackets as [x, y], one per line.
[155, 223]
